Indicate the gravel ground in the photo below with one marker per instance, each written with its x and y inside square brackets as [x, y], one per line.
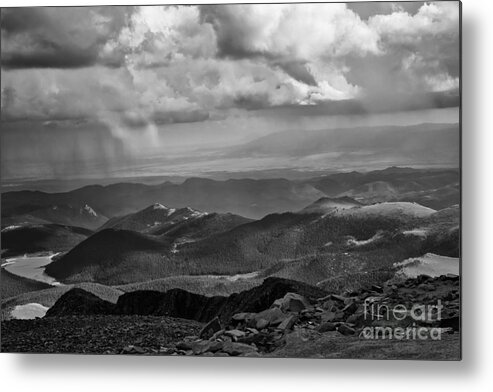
[94, 334]
[334, 345]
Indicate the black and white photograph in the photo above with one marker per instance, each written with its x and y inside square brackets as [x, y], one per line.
[232, 180]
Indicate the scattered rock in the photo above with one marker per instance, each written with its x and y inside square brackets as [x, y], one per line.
[217, 334]
[184, 345]
[273, 316]
[200, 346]
[328, 305]
[339, 298]
[133, 350]
[261, 324]
[377, 288]
[166, 351]
[242, 316]
[350, 308]
[234, 348]
[235, 333]
[345, 330]
[328, 316]
[326, 327]
[210, 328]
[288, 323]
[251, 354]
[206, 346]
[291, 302]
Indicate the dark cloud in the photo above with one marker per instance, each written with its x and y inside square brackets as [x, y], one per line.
[232, 37]
[298, 70]
[50, 55]
[48, 37]
[252, 101]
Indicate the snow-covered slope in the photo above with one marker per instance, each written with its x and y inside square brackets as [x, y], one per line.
[430, 264]
[153, 217]
[396, 209]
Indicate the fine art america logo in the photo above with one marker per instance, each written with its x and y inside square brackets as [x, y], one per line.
[388, 320]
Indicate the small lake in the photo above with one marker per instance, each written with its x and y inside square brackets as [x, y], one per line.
[31, 267]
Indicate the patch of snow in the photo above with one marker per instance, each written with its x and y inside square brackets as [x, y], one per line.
[192, 213]
[355, 242]
[415, 232]
[234, 278]
[198, 214]
[28, 311]
[89, 210]
[12, 227]
[174, 248]
[159, 206]
[430, 264]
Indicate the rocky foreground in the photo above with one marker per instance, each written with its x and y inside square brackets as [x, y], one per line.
[94, 334]
[412, 319]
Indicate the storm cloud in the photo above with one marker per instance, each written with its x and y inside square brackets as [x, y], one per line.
[69, 37]
[171, 64]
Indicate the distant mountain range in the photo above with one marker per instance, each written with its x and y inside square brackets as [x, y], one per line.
[311, 229]
[437, 189]
[63, 214]
[424, 143]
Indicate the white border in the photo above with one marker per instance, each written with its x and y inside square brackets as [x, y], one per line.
[98, 373]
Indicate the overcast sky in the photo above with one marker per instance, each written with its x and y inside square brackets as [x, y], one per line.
[153, 67]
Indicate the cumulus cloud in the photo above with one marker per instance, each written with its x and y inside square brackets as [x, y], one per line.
[297, 31]
[419, 53]
[400, 27]
[138, 67]
[297, 38]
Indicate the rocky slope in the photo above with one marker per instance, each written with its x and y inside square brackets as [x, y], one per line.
[181, 303]
[94, 334]
[281, 324]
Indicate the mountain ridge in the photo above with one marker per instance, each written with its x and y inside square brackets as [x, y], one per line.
[434, 188]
